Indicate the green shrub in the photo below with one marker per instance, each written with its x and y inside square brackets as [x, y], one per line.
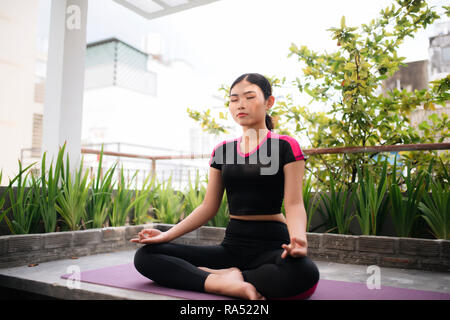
[144, 201]
[100, 198]
[72, 201]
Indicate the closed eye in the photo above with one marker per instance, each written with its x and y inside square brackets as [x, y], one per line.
[247, 98]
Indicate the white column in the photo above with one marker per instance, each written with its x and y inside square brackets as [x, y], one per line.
[65, 80]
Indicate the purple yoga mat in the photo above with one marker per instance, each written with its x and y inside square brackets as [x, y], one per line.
[127, 277]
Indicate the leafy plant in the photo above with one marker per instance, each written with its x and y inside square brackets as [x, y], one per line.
[371, 207]
[50, 190]
[122, 201]
[144, 201]
[72, 201]
[6, 192]
[222, 215]
[100, 200]
[311, 204]
[194, 195]
[25, 210]
[404, 210]
[349, 80]
[436, 208]
[168, 203]
[336, 215]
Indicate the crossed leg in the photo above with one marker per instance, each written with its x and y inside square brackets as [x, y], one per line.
[268, 275]
[275, 277]
[188, 267]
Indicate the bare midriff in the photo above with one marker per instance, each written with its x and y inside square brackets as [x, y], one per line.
[267, 217]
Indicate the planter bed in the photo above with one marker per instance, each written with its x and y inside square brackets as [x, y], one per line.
[384, 251]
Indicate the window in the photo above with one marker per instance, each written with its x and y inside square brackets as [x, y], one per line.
[446, 54]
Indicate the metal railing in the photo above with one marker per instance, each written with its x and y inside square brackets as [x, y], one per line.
[181, 172]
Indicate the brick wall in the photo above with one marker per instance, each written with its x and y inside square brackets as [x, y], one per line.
[408, 253]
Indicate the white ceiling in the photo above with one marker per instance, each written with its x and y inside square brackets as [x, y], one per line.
[151, 9]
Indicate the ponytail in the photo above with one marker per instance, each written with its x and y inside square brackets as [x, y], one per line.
[269, 122]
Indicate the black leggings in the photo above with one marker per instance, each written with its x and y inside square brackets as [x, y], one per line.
[252, 246]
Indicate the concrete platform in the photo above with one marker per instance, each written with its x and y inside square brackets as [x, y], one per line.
[44, 279]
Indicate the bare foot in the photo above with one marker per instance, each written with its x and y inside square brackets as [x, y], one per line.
[220, 271]
[230, 282]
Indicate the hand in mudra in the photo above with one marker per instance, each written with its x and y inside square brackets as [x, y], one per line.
[297, 248]
[151, 236]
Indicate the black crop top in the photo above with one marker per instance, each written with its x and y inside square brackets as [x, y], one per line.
[254, 182]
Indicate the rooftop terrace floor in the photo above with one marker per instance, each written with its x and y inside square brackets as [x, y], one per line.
[45, 278]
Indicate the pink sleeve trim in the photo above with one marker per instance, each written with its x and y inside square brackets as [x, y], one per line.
[217, 146]
[298, 154]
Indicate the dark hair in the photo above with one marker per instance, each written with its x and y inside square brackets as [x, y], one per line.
[263, 84]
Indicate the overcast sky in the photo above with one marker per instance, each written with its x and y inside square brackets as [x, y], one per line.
[224, 39]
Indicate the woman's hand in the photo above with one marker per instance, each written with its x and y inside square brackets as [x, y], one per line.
[297, 248]
[151, 236]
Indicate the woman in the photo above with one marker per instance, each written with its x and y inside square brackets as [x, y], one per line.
[263, 254]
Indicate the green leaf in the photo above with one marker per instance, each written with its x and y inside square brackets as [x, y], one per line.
[424, 125]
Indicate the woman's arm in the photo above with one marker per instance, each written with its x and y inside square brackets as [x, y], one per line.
[205, 211]
[293, 204]
[296, 221]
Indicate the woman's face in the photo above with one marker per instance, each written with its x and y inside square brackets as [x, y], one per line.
[248, 98]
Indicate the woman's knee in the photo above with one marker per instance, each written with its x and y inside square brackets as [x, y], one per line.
[138, 258]
[304, 272]
[142, 256]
